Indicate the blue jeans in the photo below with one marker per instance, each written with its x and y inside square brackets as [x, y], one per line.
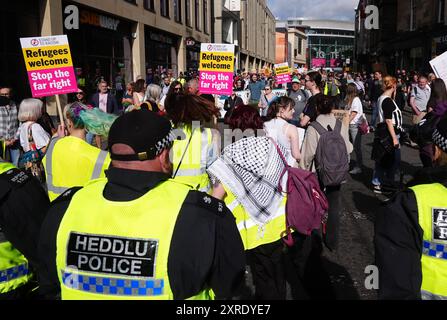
[15, 155]
[383, 175]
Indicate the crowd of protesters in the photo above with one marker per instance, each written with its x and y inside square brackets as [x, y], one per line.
[246, 174]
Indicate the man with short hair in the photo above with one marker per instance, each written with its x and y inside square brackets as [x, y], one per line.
[375, 91]
[9, 125]
[300, 97]
[104, 100]
[420, 94]
[166, 83]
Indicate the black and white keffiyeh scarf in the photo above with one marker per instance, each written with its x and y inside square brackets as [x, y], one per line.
[251, 168]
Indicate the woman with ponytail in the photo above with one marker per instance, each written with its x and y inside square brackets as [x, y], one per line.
[72, 162]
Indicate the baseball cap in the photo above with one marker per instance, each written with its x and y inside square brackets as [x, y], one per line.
[147, 133]
[295, 80]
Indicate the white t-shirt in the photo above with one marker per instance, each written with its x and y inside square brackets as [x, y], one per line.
[40, 136]
[103, 102]
[357, 107]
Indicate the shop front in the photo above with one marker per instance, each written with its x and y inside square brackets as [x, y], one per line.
[192, 54]
[161, 50]
[101, 48]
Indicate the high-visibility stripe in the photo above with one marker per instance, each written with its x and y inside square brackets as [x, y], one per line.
[13, 273]
[113, 286]
[434, 250]
[99, 164]
[425, 295]
[247, 224]
[49, 169]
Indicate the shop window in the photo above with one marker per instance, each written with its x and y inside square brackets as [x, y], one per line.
[441, 11]
[178, 11]
[188, 12]
[197, 14]
[149, 5]
[205, 16]
[164, 8]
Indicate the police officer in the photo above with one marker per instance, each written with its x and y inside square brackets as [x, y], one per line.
[411, 233]
[139, 234]
[23, 204]
[70, 161]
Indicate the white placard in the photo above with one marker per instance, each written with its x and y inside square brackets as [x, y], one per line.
[439, 66]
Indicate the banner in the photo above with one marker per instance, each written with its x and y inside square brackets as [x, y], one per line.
[282, 71]
[49, 65]
[318, 63]
[216, 68]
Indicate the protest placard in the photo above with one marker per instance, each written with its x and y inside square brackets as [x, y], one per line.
[50, 67]
[282, 71]
[439, 66]
[216, 68]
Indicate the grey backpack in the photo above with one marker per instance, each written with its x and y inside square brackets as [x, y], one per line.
[331, 157]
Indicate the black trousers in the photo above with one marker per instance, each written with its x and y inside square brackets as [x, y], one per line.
[333, 224]
[274, 265]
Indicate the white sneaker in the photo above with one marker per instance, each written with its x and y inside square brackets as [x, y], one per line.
[356, 170]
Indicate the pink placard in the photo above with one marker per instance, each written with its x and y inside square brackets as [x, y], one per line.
[283, 78]
[212, 82]
[318, 63]
[50, 82]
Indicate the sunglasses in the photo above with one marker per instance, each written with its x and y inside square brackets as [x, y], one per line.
[267, 89]
[82, 93]
[177, 89]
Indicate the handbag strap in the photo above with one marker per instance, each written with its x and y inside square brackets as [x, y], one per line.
[31, 143]
[286, 165]
[184, 153]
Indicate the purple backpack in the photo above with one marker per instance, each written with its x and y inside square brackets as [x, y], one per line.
[307, 205]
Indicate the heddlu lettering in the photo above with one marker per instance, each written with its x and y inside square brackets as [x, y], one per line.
[119, 256]
[440, 224]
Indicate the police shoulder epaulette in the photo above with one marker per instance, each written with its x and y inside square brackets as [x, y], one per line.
[15, 177]
[67, 195]
[206, 201]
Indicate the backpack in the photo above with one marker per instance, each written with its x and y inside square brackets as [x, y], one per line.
[331, 157]
[307, 205]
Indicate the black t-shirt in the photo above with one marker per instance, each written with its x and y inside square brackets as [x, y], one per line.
[388, 108]
[311, 108]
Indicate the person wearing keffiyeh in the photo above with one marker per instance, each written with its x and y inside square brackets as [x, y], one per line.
[246, 176]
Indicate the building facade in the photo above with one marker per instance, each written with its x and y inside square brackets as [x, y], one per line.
[330, 42]
[410, 34]
[297, 47]
[108, 38]
[258, 38]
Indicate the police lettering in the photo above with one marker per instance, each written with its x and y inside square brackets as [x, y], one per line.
[105, 254]
[440, 224]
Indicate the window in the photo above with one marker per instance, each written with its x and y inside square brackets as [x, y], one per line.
[131, 1]
[188, 12]
[300, 46]
[178, 10]
[205, 16]
[149, 5]
[412, 15]
[197, 14]
[164, 8]
[441, 11]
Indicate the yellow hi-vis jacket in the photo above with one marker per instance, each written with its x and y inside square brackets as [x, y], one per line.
[254, 235]
[14, 270]
[192, 170]
[432, 209]
[72, 162]
[119, 250]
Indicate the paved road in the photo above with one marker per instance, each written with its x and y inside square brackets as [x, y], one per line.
[356, 251]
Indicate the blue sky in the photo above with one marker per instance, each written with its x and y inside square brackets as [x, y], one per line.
[317, 9]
